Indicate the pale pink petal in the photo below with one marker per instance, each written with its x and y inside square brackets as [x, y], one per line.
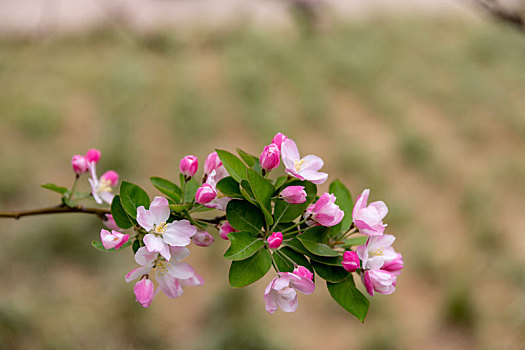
[270, 300]
[361, 202]
[156, 244]
[289, 153]
[288, 300]
[283, 281]
[182, 227]
[314, 176]
[160, 210]
[136, 273]
[194, 281]
[179, 253]
[170, 286]
[144, 292]
[302, 284]
[312, 162]
[381, 208]
[145, 218]
[180, 270]
[144, 257]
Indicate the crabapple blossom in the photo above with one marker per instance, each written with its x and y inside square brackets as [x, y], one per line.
[212, 163]
[161, 234]
[113, 240]
[79, 164]
[369, 219]
[376, 251]
[101, 189]
[395, 265]
[203, 238]
[109, 222]
[269, 158]
[219, 201]
[278, 139]
[226, 228]
[302, 168]
[325, 212]
[93, 155]
[189, 165]
[205, 194]
[144, 291]
[275, 240]
[350, 261]
[380, 281]
[282, 290]
[293, 194]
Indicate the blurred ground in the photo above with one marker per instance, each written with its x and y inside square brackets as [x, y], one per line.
[429, 114]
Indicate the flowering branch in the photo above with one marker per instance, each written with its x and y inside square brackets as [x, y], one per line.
[59, 209]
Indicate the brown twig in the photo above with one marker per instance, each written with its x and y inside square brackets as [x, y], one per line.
[512, 17]
[59, 209]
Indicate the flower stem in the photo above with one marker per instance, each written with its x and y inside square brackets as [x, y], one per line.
[70, 195]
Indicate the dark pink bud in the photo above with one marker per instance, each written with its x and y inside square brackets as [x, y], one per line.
[212, 163]
[275, 240]
[279, 138]
[226, 228]
[270, 157]
[110, 176]
[144, 291]
[203, 239]
[79, 164]
[350, 261]
[302, 271]
[294, 194]
[93, 155]
[189, 165]
[205, 194]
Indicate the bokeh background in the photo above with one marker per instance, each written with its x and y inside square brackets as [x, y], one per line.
[422, 103]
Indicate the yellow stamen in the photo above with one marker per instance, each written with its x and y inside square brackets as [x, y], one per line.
[159, 229]
[298, 164]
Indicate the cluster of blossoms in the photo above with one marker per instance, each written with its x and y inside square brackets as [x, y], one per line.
[279, 222]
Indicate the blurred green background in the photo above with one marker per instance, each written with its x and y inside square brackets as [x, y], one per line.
[428, 114]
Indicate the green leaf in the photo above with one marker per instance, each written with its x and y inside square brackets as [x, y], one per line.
[313, 240]
[345, 203]
[330, 273]
[234, 165]
[132, 197]
[189, 191]
[285, 212]
[229, 187]
[263, 191]
[297, 246]
[119, 214]
[279, 182]
[349, 297]
[248, 158]
[245, 272]
[244, 216]
[98, 245]
[136, 246]
[247, 193]
[285, 265]
[167, 187]
[243, 245]
[58, 189]
[179, 208]
[355, 241]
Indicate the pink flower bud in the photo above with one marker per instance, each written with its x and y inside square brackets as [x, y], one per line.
[302, 271]
[270, 157]
[212, 163]
[93, 155]
[381, 281]
[110, 223]
[144, 291]
[79, 163]
[110, 176]
[278, 139]
[395, 265]
[205, 194]
[203, 239]
[113, 240]
[294, 194]
[275, 240]
[350, 261]
[226, 228]
[326, 212]
[189, 165]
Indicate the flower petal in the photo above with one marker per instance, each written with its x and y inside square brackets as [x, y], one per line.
[181, 270]
[314, 176]
[160, 210]
[179, 253]
[145, 218]
[156, 244]
[136, 273]
[144, 257]
[312, 162]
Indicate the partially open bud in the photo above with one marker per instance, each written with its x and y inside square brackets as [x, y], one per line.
[205, 194]
[110, 223]
[275, 240]
[79, 164]
[294, 194]
[226, 228]
[278, 139]
[270, 157]
[93, 155]
[113, 240]
[110, 176]
[212, 163]
[144, 291]
[203, 239]
[350, 261]
[189, 165]
[395, 265]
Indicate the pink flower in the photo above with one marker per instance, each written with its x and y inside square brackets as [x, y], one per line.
[219, 201]
[101, 188]
[275, 240]
[381, 281]
[93, 155]
[162, 235]
[226, 228]
[294, 194]
[79, 164]
[212, 163]
[205, 194]
[282, 290]
[395, 265]
[376, 251]
[269, 158]
[189, 165]
[144, 291]
[350, 261]
[171, 275]
[369, 219]
[113, 240]
[110, 223]
[278, 139]
[302, 271]
[203, 239]
[325, 211]
[302, 168]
